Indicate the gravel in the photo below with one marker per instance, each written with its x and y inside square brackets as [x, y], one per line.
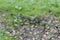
[46, 28]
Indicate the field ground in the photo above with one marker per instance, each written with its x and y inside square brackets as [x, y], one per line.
[29, 19]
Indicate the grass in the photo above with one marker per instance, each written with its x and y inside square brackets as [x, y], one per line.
[29, 7]
[4, 36]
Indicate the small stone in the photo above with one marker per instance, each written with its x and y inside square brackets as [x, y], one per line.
[14, 32]
[44, 36]
[33, 38]
[53, 30]
[30, 32]
[52, 38]
[35, 33]
[43, 39]
[8, 32]
[36, 26]
[32, 26]
[47, 33]
[21, 38]
[59, 37]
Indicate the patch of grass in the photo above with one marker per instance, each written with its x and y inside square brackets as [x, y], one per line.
[4, 36]
[29, 7]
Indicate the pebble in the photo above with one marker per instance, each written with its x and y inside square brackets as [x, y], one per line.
[58, 36]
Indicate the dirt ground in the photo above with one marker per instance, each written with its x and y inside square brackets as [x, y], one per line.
[43, 28]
